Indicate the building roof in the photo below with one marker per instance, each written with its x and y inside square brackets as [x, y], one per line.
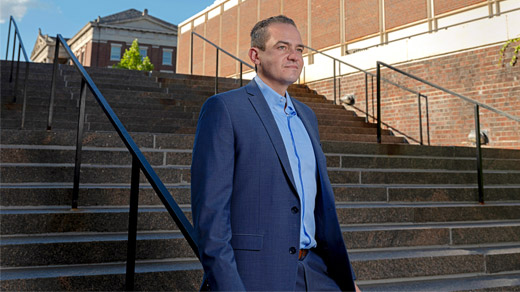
[131, 14]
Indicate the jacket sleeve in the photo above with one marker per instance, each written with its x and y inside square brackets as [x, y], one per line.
[211, 188]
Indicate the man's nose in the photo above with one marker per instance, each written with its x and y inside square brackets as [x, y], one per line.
[293, 54]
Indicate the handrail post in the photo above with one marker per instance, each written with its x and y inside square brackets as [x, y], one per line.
[12, 58]
[53, 83]
[366, 98]
[216, 73]
[191, 55]
[378, 88]
[8, 38]
[480, 177]
[427, 120]
[132, 226]
[79, 143]
[17, 73]
[241, 80]
[420, 118]
[334, 68]
[372, 93]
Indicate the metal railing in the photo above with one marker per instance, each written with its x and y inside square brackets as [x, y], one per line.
[476, 104]
[21, 48]
[139, 163]
[419, 95]
[218, 49]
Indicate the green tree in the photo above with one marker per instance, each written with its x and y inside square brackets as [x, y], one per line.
[516, 49]
[133, 60]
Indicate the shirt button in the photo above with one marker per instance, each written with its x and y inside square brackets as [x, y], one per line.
[294, 210]
[292, 250]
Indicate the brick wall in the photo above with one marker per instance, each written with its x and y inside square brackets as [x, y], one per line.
[401, 12]
[474, 74]
[361, 18]
[198, 46]
[231, 27]
[297, 10]
[228, 41]
[213, 35]
[268, 8]
[443, 6]
[325, 19]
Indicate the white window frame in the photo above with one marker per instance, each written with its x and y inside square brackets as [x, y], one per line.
[171, 56]
[145, 49]
[112, 46]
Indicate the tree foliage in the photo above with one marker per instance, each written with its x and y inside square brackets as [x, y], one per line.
[514, 57]
[133, 60]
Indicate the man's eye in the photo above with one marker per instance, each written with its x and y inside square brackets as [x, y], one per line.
[282, 47]
[300, 50]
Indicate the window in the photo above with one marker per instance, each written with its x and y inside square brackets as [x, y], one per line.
[115, 52]
[143, 51]
[167, 57]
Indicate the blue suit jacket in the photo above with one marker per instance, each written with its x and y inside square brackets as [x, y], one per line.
[243, 197]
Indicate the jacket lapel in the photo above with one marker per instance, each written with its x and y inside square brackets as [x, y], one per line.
[264, 112]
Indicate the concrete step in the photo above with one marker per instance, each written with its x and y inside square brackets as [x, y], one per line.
[109, 194]
[478, 282]
[68, 248]
[418, 162]
[369, 265]
[175, 141]
[63, 172]
[415, 150]
[362, 138]
[378, 236]
[156, 275]
[96, 139]
[118, 156]
[90, 155]
[377, 213]
[60, 194]
[423, 193]
[103, 173]
[420, 176]
[351, 130]
[53, 219]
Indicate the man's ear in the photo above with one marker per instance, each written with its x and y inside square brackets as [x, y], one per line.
[253, 55]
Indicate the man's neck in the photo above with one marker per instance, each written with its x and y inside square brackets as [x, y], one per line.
[278, 88]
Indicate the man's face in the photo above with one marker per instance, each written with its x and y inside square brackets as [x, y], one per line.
[281, 63]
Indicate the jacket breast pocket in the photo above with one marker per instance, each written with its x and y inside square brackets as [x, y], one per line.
[247, 241]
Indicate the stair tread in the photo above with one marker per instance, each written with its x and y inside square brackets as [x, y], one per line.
[98, 269]
[464, 282]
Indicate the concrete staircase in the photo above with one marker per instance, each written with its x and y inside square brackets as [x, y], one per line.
[408, 213]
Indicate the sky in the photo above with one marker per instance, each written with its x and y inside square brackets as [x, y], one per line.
[67, 17]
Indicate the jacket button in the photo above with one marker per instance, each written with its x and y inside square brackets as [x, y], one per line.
[294, 210]
[292, 250]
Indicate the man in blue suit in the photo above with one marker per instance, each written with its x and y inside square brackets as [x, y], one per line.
[263, 206]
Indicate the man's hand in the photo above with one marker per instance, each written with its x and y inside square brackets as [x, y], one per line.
[357, 288]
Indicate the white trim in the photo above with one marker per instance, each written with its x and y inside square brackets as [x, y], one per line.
[115, 46]
[171, 57]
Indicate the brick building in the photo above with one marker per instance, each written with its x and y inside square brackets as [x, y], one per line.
[102, 42]
[452, 43]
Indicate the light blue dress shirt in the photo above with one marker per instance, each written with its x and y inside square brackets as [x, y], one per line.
[301, 157]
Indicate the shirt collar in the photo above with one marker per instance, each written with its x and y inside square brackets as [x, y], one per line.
[275, 101]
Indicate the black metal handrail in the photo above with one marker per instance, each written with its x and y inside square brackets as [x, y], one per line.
[216, 61]
[139, 163]
[367, 115]
[21, 48]
[476, 104]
